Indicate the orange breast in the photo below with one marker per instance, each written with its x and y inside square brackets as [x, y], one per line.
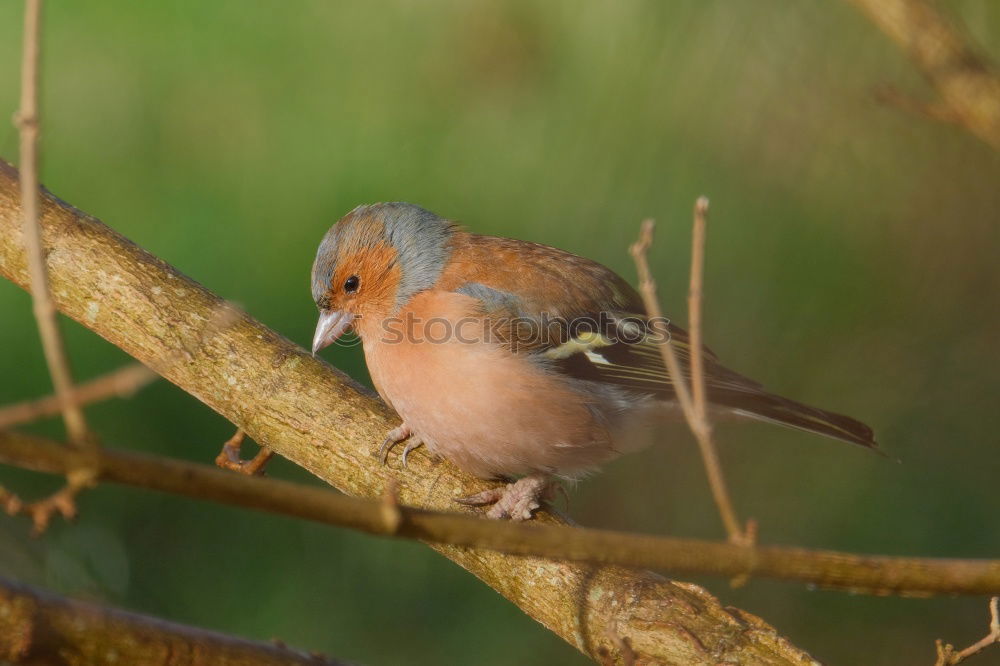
[489, 411]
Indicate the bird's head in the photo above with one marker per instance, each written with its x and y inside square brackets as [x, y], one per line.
[373, 261]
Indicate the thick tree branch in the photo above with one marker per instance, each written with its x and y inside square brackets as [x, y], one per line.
[38, 627]
[968, 84]
[861, 573]
[319, 418]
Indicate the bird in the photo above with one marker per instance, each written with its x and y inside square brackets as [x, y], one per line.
[515, 361]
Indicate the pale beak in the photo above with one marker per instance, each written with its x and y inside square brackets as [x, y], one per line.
[331, 325]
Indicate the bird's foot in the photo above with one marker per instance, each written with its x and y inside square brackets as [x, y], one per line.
[396, 436]
[516, 501]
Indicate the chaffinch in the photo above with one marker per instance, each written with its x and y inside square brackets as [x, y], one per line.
[511, 359]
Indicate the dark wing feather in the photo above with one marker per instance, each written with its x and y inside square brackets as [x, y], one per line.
[639, 366]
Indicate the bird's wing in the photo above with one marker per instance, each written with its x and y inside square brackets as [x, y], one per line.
[575, 315]
[581, 319]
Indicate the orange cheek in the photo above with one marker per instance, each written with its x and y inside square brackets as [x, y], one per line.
[379, 298]
[376, 296]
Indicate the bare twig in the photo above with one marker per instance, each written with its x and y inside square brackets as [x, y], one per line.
[693, 402]
[27, 122]
[119, 383]
[62, 501]
[968, 85]
[229, 457]
[38, 627]
[946, 654]
[858, 573]
[703, 431]
[647, 289]
[695, 291]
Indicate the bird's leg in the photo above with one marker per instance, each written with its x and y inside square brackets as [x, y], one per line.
[395, 436]
[516, 501]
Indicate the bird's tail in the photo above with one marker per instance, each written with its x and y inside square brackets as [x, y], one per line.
[763, 406]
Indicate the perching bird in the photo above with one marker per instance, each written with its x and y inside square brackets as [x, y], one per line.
[511, 359]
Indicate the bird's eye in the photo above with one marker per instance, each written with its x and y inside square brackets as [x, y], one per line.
[351, 284]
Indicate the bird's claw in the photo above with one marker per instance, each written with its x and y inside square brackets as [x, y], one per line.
[412, 445]
[392, 438]
[484, 498]
[516, 501]
[396, 436]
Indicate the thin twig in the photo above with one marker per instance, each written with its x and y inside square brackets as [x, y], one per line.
[229, 457]
[858, 573]
[695, 291]
[120, 383]
[693, 402]
[946, 655]
[61, 502]
[703, 432]
[27, 122]
[647, 289]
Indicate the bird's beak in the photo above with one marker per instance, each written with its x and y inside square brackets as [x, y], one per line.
[331, 325]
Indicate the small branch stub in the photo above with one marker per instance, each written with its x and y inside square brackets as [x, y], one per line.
[62, 502]
[229, 457]
[948, 656]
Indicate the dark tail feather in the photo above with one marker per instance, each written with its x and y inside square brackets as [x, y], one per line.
[775, 409]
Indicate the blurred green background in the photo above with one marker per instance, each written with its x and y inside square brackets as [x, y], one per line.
[852, 263]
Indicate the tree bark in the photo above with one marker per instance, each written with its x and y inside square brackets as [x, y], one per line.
[41, 628]
[317, 417]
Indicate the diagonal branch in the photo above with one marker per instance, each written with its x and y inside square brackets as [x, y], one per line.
[319, 418]
[38, 627]
[859, 573]
[968, 85]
